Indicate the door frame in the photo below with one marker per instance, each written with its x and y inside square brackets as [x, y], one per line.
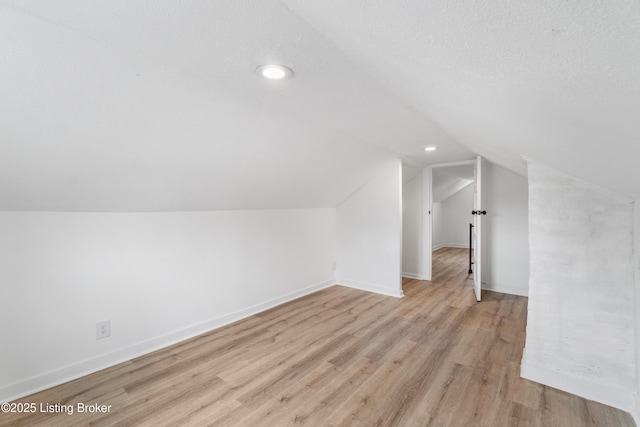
[478, 213]
[427, 200]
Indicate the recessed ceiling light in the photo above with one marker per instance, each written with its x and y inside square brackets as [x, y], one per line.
[430, 148]
[274, 72]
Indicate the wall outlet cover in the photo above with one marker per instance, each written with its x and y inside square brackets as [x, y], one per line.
[103, 329]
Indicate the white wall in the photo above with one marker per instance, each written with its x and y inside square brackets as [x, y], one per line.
[438, 226]
[159, 277]
[581, 324]
[412, 227]
[505, 228]
[636, 253]
[369, 234]
[505, 266]
[455, 218]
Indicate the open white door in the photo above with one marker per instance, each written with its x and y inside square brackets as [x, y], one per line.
[427, 223]
[477, 229]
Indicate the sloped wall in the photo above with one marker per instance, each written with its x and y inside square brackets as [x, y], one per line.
[369, 234]
[581, 325]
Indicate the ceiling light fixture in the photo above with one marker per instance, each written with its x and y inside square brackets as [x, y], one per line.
[431, 148]
[274, 72]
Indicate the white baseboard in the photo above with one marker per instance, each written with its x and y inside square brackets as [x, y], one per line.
[523, 292]
[370, 287]
[68, 373]
[450, 245]
[411, 275]
[457, 245]
[581, 387]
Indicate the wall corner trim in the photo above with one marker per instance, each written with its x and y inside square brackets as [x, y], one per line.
[624, 400]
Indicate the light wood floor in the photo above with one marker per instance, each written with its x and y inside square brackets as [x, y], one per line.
[341, 357]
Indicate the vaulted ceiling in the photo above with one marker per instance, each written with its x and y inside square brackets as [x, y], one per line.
[155, 105]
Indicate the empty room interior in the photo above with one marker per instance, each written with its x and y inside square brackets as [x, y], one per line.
[285, 212]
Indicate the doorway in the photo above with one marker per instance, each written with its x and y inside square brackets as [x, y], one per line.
[437, 213]
[451, 207]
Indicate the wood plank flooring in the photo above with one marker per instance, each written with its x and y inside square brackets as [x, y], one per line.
[340, 357]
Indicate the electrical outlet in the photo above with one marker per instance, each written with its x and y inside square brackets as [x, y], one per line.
[103, 329]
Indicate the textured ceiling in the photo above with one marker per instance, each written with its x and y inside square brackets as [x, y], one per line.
[557, 81]
[155, 105]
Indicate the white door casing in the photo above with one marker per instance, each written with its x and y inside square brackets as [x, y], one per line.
[427, 223]
[477, 229]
